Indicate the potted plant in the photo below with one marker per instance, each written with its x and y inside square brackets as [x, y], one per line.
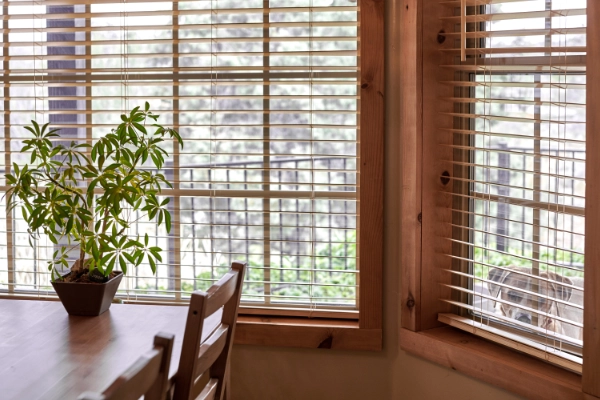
[87, 197]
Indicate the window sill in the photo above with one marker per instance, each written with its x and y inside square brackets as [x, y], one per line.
[493, 363]
[306, 333]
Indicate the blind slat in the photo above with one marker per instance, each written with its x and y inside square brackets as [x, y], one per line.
[554, 13]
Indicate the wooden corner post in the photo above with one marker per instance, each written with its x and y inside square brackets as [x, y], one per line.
[591, 334]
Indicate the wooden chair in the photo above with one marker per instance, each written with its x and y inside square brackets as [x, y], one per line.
[148, 376]
[199, 356]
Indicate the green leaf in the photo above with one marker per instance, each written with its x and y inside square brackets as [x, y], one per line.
[112, 167]
[95, 251]
[11, 179]
[160, 217]
[100, 268]
[69, 225]
[132, 135]
[129, 257]
[31, 130]
[122, 264]
[24, 212]
[107, 257]
[147, 106]
[111, 265]
[168, 221]
[146, 239]
[134, 111]
[37, 127]
[152, 264]
[156, 161]
[45, 126]
[140, 127]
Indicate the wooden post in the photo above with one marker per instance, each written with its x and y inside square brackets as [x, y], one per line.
[411, 125]
[436, 161]
[372, 93]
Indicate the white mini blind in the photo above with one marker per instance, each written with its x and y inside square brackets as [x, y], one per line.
[264, 94]
[518, 177]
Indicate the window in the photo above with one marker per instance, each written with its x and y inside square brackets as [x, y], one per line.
[519, 176]
[268, 98]
[498, 179]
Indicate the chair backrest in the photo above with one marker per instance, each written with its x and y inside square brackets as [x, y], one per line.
[198, 355]
[148, 376]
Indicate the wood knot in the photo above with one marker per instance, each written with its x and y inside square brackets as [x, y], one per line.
[445, 178]
[441, 37]
[410, 303]
[326, 344]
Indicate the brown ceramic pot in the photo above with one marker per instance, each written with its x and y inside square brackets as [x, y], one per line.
[88, 299]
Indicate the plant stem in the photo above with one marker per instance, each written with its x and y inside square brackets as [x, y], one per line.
[66, 188]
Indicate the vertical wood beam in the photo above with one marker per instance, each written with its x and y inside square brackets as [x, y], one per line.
[411, 129]
[436, 193]
[591, 333]
[371, 140]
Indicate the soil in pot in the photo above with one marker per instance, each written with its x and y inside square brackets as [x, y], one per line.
[82, 276]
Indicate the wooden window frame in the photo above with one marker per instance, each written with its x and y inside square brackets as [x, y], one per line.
[424, 211]
[365, 332]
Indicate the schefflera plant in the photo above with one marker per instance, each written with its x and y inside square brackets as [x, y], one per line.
[89, 196]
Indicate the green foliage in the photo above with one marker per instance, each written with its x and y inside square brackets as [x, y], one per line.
[94, 219]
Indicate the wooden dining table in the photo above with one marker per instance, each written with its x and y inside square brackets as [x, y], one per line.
[47, 354]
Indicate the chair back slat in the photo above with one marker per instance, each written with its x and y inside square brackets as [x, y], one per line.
[138, 378]
[221, 292]
[210, 350]
[209, 391]
[210, 355]
[147, 377]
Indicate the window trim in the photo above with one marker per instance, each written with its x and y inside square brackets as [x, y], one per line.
[422, 220]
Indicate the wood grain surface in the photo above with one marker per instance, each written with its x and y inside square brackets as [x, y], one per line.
[591, 332]
[47, 354]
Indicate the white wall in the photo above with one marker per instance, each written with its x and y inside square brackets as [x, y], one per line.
[284, 373]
